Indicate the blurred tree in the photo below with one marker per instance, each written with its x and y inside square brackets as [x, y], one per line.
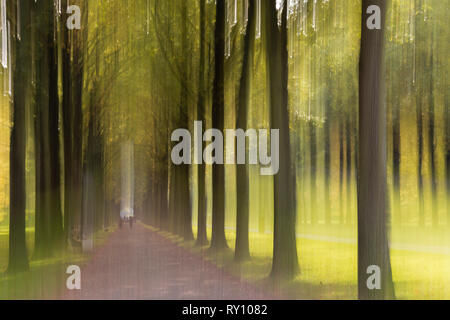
[218, 240]
[18, 260]
[285, 261]
[242, 248]
[49, 229]
[373, 246]
[202, 238]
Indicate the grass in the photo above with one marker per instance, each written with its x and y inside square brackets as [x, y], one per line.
[327, 258]
[46, 278]
[329, 266]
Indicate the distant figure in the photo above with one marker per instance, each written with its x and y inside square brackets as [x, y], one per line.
[126, 215]
[127, 183]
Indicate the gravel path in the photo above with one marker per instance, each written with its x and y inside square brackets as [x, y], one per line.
[141, 264]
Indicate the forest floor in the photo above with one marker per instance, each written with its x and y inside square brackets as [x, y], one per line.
[143, 263]
[45, 277]
[147, 263]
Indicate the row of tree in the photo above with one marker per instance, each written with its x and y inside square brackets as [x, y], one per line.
[53, 68]
[141, 69]
[372, 207]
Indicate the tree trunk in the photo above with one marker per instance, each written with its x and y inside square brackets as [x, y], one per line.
[419, 115]
[67, 114]
[447, 154]
[164, 199]
[242, 248]
[285, 260]
[397, 215]
[184, 192]
[18, 260]
[373, 247]
[341, 170]
[218, 240]
[348, 168]
[89, 194]
[171, 226]
[432, 142]
[202, 238]
[327, 162]
[313, 170]
[179, 190]
[77, 138]
[48, 231]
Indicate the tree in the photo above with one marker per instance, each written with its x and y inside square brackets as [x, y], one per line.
[72, 84]
[373, 248]
[312, 126]
[202, 238]
[67, 116]
[242, 248]
[327, 162]
[447, 154]
[348, 166]
[218, 240]
[395, 115]
[182, 172]
[48, 196]
[341, 169]
[18, 260]
[78, 43]
[432, 136]
[419, 115]
[285, 261]
[420, 62]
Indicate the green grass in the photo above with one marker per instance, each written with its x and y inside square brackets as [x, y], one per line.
[329, 267]
[4, 246]
[327, 258]
[46, 278]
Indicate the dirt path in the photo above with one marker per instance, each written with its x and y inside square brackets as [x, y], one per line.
[141, 264]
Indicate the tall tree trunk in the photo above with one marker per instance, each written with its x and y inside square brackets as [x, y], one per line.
[182, 174]
[67, 114]
[447, 154]
[373, 247]
[149, 216]
[164, 175]
[242, 248]
[89, 194]
[431, 140]
[285, 260]
[180, 207]
[420, 63]
[313, 169]
[98, 169]
[348, 168]
[341, 170]
[164, 200]
[218, 240]
[79, 43]
[202, 238]
[18, 260]
[54, 115]
[419, 116]
[77, 134]
[171, 218]
[396, 214]
[327, 162]
[49, 231]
